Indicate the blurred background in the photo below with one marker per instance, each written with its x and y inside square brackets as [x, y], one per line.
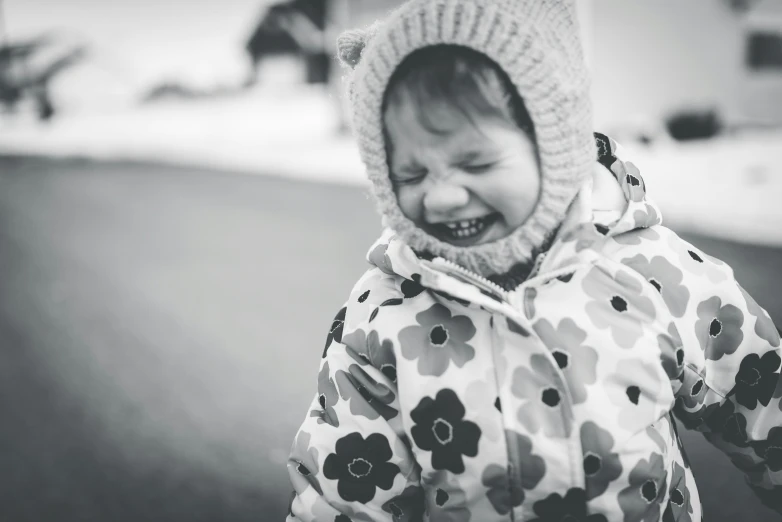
[182, 213]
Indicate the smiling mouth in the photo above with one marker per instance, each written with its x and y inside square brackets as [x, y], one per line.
[466, 230]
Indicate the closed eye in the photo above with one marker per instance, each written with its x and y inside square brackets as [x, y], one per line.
[478, 169]
[408, 177]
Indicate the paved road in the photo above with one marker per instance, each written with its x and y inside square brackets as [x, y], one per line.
[160, 331]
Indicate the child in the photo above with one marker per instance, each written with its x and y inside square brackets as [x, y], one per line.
[528, 328]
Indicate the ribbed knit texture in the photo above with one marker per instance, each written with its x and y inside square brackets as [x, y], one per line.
[537, 43]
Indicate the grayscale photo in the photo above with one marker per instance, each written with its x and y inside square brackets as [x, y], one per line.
[390, 261]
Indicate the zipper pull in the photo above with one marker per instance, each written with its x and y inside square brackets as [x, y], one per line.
[538, 263]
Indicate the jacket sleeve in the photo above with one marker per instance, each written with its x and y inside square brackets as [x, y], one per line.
[350, 459]
[730, 387]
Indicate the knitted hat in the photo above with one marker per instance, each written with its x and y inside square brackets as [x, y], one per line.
[536, 43]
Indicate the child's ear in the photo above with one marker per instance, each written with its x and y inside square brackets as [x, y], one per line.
[351, 44]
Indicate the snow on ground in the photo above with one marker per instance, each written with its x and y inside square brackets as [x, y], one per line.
[277, 130]
[728, 187]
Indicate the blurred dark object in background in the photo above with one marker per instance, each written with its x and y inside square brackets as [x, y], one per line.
[295, 27]
[167, 90]
[23, 75]
[174, 90]
[741, 6]
[694, 125]
[764, 50]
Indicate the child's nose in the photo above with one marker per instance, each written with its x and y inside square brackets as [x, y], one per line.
[444, 198]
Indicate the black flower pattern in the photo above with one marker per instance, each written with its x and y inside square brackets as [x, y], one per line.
[679, 508]
[412, 287]
[584, 236]
[718, 328]
[507, 485]
[407, 506]
[503, 493]
[327, 398]
[361, 466]
[647, 216]
[601, 466]
[724, 420]
[438, 340]
[666, 278]
[693, 390]
[635, 386]
[695, 261]
[440, 428]
[357, 346]
[570, 508]
[770, 449]
[445, 500]
[542, 408]
[577, 361]
[605, 153]
[335, 332]
[304, 461]
[764, 326]
[672, 353]
[367, 397]
[368, 349]
[641, 500]
[756, 379]
[632, 183]
[617, 303]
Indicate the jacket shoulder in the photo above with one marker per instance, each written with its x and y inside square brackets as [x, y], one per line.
[667, 261]
[379, 305]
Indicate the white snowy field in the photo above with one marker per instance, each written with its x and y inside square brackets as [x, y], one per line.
[275, 130]
[729, 187]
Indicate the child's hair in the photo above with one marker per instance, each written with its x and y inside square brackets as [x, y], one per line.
[462, 78]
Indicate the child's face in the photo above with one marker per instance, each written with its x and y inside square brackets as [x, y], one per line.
[473, 183]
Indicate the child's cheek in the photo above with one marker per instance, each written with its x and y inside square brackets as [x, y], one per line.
[515, 192]
[410, 202]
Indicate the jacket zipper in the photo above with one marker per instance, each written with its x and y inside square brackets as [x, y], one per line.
[477, 280]
[452, 269]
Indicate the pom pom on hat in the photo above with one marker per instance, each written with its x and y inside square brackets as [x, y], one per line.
[351, 44]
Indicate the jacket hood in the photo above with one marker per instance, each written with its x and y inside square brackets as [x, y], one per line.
[594, 215]
[536, 43]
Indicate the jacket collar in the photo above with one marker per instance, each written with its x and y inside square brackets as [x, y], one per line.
[613, 202]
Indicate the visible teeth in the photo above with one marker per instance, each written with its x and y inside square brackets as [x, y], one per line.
[463, 224]
[467, 228]
[469, 231]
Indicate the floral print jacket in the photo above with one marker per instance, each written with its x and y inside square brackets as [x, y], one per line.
[443, 397]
